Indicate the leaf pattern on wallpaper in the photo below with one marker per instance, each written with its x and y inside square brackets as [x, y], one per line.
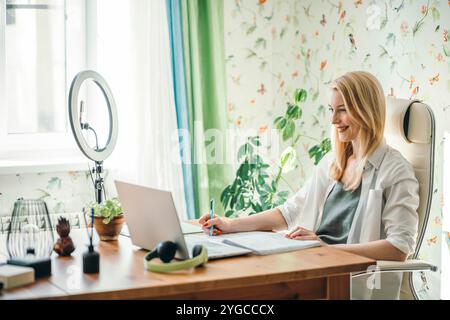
[59, 208]
[385, 18]
[251, 29]
[307, 11]
[261, 43]
[417, 26]
[269, 18]
[435, 13]
[321, 111]
[54, 183]
[446, 50]
[229, 58]
[251, 54]
[390, 40]
[35, 185]
[419, 23]
[385, 53]
[44, 194]
[263, 65]
[400, 7]
[352, 40]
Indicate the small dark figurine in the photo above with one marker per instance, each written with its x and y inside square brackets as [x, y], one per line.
[64, 246]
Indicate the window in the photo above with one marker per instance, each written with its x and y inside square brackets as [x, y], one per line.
[42, 47]
[35, 65]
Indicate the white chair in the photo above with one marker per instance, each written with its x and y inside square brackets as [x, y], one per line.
[410, 128]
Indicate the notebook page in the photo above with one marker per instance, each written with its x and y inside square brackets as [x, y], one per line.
[266, 242]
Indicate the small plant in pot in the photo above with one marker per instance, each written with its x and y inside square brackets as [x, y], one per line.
[108, 219]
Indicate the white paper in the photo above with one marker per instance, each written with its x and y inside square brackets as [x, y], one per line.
[265, 242]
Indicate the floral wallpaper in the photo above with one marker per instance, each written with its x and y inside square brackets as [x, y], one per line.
[66, 193]
[276, 46]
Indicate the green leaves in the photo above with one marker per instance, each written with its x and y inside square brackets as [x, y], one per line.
[108, 210]
[446, 50]
[294, 112]
[251, 54]
[247, 149]
[244, 150]
[229, 213]
[261, 42]
[280, 123]
[435, 13]
[383, 52]
[300, 95]
[417, 26]
[255, 141]
[289, 130]
[253, 190]
[286, 124]
[251, 29]
[317, 152]
[391, 39]
[288, 160]
[250, 178]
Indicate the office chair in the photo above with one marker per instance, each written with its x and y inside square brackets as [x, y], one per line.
[410, 128]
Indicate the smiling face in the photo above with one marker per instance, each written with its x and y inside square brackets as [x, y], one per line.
[347, 130]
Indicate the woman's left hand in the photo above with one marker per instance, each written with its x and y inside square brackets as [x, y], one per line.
[299, 233]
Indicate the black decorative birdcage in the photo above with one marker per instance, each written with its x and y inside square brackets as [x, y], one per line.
[30, 232]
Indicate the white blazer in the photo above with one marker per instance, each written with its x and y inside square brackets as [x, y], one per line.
[387, 209]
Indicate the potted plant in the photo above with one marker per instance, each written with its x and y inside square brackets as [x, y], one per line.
[108, 219]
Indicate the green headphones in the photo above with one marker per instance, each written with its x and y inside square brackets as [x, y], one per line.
[166, 252]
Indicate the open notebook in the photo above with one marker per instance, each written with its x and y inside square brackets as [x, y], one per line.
[263, 243]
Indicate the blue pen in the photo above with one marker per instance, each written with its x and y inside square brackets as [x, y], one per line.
[211, 212]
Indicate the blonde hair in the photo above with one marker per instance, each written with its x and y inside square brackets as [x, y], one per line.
[366, 105]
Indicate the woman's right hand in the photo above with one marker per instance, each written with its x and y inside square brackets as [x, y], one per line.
[221, 224]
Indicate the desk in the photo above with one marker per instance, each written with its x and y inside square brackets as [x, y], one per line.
[316, 273]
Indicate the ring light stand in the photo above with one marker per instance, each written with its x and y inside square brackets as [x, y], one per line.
[91, 259]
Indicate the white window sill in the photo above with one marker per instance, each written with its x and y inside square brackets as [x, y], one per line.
[43, 165]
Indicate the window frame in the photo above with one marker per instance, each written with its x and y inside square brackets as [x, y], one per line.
[42, 147]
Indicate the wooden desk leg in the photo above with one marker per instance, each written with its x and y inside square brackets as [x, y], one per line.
[338, 287]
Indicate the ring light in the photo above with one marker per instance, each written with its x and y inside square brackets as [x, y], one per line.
[97, 155]
[77, 124]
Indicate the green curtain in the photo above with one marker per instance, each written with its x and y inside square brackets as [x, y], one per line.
[204, 54]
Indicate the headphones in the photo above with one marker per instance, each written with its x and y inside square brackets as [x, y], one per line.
[166, 252]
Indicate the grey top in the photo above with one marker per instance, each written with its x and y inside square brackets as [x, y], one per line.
[338, 213]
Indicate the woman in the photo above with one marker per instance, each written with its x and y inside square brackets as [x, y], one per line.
[363, 198]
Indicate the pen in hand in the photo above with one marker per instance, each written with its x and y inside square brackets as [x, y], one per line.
[211, 212]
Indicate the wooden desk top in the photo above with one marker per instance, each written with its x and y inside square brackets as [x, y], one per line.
[122, 274]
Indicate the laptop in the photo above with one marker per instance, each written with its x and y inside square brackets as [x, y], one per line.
[151, 217]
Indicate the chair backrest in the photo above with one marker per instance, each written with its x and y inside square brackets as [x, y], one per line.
[410, 128]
